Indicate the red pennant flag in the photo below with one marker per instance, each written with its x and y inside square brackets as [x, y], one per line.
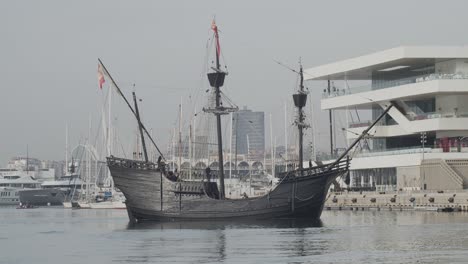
[215, 29]
[100, 75]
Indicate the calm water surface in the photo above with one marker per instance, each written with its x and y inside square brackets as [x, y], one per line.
[56, 235]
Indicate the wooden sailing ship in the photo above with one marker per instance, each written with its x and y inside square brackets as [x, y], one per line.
[152, 193]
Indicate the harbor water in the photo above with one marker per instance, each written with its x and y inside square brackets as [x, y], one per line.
[57, 235]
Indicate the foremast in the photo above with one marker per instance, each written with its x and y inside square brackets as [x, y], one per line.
[140, 124]
[216, 79]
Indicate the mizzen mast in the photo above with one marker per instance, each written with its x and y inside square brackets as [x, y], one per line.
[300, 99]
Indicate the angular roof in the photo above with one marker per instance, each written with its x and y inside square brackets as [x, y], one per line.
[361, 68]
[21, 180]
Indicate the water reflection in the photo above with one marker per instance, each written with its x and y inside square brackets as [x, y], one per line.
[217, 241]
[341, 237]
[229, 224]
[221, 249]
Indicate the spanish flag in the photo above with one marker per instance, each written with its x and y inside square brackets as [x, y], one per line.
[100, 75]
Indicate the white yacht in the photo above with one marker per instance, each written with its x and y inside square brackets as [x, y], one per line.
[422, 143]
[10, 186]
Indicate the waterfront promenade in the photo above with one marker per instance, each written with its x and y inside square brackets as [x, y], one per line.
[399, 200]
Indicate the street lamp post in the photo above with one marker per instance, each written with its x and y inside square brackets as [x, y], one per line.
[423, 142]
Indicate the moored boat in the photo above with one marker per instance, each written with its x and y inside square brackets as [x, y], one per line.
[11, 186]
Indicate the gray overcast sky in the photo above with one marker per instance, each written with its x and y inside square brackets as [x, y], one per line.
[49, 52]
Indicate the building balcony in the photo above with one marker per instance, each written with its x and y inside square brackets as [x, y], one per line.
[413, 150]
[432, 115]
[401, 157]
[416, 87]
[393, 83]
[420, 123]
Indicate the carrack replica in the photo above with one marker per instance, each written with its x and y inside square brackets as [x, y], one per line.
[153, 193]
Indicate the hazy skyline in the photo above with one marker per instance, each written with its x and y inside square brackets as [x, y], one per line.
[49, 52]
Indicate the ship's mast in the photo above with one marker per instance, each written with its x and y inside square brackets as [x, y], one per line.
[216, 79]
[179, 145]
[66, 147]
[330, 123]
[217, 86]
[137, 112]
[129, 106]
[300, 100]
[27, 160]
[286, 134]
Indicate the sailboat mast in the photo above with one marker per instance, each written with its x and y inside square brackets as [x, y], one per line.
[271, 149]
[66, 147]
[27, 160]
[230, 147]
[109, 126]
[179, 146]
[330, 123]
[190, 151]
[173, 149]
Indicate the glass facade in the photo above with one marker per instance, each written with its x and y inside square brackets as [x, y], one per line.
[248, 132]
[374, 179]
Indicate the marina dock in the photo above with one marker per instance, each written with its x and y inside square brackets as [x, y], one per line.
[444, 200]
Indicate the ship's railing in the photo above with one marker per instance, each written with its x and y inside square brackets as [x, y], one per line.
[343, 166]
[128, 163]
[382, 84]
[432, 115]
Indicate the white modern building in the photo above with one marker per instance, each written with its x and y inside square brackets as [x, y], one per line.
[428, 86]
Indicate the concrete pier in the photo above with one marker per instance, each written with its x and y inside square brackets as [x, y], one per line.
[443, 200]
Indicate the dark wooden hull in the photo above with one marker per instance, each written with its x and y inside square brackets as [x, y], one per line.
[151, 196]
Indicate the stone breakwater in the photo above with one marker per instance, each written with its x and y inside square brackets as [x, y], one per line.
[443, 200]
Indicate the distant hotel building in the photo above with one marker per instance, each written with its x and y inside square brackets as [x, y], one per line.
[428, 87]
[248, 132]
[26, 166]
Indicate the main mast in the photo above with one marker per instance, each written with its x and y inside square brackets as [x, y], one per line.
[216, 79]
[217, 83]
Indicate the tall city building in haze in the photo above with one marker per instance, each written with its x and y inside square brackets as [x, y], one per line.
[248, 132]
